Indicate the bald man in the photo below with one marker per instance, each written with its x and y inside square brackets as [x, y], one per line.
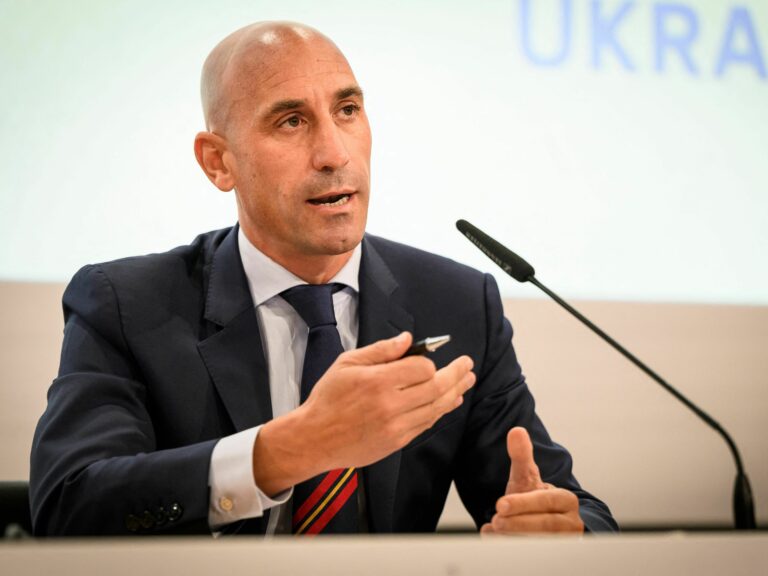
[180, 404]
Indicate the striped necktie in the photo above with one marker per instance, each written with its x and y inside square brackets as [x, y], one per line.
[326, 503]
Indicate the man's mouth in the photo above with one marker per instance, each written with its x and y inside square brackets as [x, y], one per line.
[333, 200]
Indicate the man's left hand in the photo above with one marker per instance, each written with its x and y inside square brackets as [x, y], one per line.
[530, 505]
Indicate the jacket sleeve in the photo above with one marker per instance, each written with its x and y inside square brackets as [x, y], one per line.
[95, 465]
[502, 401]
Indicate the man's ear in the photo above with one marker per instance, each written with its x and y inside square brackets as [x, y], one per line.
[215, 159]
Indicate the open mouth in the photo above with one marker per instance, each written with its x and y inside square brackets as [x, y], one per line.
[335, 200]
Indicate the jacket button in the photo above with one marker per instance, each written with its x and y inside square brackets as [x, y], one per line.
[132, 523]
[147, 520]
[175, 512]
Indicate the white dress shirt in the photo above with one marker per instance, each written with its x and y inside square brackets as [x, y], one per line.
[234, 493]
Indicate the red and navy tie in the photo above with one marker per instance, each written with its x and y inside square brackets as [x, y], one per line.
[326, 503]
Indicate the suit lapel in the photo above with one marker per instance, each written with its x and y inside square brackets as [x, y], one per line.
[234, 354]
[381, 316]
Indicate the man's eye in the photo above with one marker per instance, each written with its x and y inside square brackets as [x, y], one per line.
[350, 109]
[293, 122]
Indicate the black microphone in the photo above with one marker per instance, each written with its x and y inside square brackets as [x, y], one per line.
[520, 270]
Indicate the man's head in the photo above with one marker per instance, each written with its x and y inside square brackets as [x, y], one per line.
[286, 128]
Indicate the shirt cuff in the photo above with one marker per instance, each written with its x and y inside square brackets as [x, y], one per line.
[234, 493]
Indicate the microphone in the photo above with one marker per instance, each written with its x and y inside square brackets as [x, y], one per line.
[520, 270]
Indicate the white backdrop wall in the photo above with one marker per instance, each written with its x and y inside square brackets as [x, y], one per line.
[620, 146]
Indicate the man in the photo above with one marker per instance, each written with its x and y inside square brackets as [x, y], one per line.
[179, 407]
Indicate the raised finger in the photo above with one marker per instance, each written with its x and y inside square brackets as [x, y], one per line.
[524, 474]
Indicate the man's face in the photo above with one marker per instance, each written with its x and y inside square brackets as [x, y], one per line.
[300, 149]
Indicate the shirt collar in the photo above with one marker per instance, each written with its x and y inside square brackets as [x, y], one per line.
[266, 278]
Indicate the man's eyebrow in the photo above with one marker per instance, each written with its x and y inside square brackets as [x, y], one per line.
[348, 92]
[285, 106]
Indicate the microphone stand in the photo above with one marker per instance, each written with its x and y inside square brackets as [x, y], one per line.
[520, 270]
[743, 506]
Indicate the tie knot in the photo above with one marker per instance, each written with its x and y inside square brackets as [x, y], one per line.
[313, 302]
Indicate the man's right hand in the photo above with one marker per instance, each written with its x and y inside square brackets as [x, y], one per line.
[370, 403]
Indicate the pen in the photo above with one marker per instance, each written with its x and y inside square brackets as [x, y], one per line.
[427, 345]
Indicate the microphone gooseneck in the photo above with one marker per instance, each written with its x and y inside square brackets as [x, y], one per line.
[522, 271]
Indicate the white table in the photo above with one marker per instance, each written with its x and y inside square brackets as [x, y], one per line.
[731, 554]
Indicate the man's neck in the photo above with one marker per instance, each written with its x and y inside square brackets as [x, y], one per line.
[312, 268]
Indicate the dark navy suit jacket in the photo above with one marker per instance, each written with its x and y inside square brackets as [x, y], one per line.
[162, 356]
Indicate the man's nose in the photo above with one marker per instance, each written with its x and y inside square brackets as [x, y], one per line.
[330, 150]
